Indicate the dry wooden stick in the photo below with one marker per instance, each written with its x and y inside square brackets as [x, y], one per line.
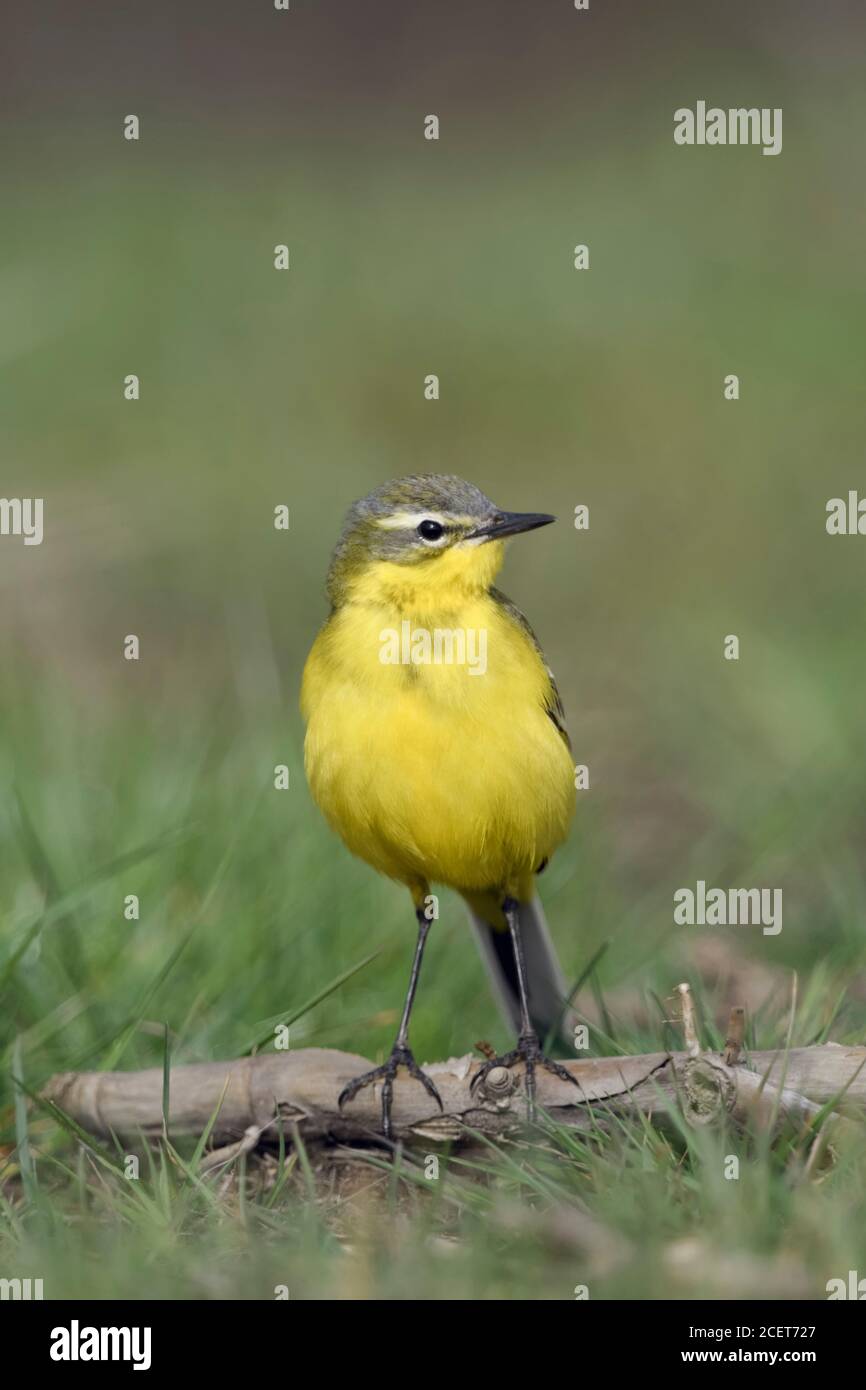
[287, 1088]
[736, 1035]
[690, 1020]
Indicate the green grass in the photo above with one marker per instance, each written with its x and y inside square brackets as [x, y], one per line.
[250, 911]
[156, 778]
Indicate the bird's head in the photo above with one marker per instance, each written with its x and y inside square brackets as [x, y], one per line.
[422, 534]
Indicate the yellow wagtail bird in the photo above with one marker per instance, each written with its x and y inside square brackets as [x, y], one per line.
[436, 743]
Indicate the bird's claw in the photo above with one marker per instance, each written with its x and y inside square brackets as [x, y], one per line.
[528, 1051]
[401, 1056]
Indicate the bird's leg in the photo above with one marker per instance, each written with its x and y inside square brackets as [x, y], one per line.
[528, 1049]
[401, 1054]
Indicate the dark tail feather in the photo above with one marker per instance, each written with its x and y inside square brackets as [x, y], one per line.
[546, 985]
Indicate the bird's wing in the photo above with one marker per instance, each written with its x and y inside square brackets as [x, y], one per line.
[553, 704]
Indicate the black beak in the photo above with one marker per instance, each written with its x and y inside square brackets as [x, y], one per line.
[510, 524]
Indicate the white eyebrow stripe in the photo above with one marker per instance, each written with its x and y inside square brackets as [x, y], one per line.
[404, 521]
[401, 521]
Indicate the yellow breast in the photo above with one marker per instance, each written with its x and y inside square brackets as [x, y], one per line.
[436, 763]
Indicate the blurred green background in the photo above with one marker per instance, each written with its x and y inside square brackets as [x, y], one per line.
[558, 387]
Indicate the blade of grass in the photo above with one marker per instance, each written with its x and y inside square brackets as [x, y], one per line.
[575, 990]
[166, 1081]
[261, 1037]
[110, 1062]
[22, 1135]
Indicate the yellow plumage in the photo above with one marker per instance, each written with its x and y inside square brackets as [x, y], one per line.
[428, 772]
[446, 765]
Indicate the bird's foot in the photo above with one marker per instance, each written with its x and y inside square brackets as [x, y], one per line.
[400, 1056]
[528, 1051]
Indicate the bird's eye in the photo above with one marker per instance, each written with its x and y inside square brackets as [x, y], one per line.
[431, 530]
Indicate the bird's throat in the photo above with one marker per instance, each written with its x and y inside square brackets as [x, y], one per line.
[433, 590]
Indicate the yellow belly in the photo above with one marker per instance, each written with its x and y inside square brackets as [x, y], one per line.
[431, 773]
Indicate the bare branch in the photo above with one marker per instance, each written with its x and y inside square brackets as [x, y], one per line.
[265, 1092]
